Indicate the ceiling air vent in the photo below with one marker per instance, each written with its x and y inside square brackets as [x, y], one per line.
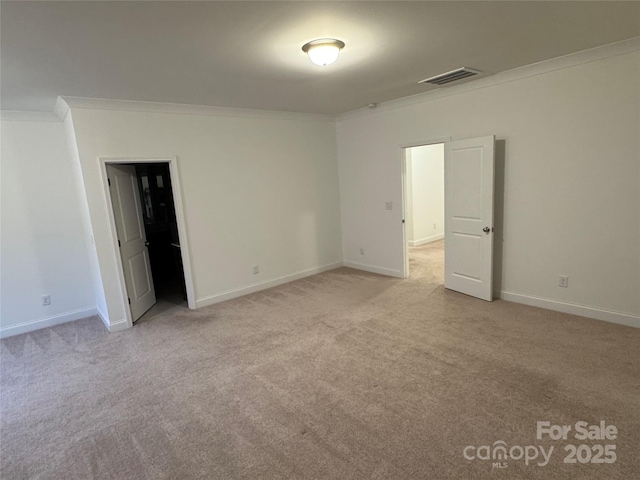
[452, 76]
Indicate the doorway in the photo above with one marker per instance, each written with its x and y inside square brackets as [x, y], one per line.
[424, 211]
[161, 228]
[149, 225]
[468, 186]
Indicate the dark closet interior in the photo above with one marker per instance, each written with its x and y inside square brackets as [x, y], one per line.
[158, 210]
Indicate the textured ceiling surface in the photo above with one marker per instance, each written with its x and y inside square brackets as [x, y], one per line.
[248, 54]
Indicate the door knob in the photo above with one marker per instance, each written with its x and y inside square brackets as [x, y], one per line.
[146, 244]
[486, 229]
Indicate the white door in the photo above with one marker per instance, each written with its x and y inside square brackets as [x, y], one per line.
[132, 238]
[468, 211]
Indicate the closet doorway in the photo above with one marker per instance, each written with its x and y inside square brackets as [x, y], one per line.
[147, 226]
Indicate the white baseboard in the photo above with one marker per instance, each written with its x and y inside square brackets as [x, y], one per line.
[103, 317]
[425, 240]
[256, 287]
[373, 269]
[572, 308]
[117, 326]
[47, 322]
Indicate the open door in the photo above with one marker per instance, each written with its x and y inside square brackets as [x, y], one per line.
[132, 240]
[469, 174]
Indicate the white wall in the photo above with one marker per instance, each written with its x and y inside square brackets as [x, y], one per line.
[94, 266]
[257, 189]
[425, 194]
[43, 243]
[568, 179]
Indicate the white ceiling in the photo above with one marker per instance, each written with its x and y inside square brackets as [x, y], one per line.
[248, 54]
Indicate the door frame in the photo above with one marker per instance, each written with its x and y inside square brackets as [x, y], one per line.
[403, 173]
[180, 219]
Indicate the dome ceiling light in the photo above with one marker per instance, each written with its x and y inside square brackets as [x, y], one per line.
[324, 51]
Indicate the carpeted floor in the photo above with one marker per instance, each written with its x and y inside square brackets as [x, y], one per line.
[169, 300]
[343, 375]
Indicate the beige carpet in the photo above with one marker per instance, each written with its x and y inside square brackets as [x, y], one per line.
[344, 375]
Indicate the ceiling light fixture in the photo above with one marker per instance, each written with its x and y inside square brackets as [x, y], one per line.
[323, 51]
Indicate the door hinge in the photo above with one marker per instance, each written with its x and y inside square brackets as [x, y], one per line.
[129, 300]
[109, 181]
[119, 243]
[403, 220]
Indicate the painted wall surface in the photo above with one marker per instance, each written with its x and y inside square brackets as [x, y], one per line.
[94, 266]
[43, 241]
[425, 184]
[256, 191]
[568, 179]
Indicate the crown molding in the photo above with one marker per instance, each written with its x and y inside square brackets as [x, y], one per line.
[540, 68]
[27, 116]
[184, 109]
[61, 108]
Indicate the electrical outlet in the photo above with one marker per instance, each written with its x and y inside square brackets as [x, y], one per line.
[361, 250]
[46, 300]
[388, 205]
[256, 269]
[563, 281]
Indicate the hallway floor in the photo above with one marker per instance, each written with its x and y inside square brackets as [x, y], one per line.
[426, 262]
